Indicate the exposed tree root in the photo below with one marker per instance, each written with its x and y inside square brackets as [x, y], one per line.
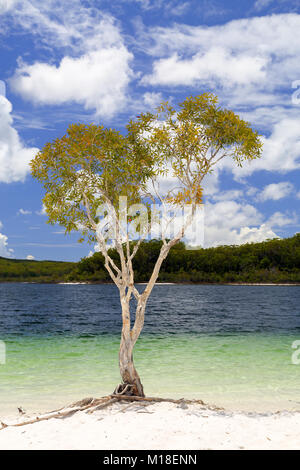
[94, 404]
[103, 405]
[82, 405]
[157, 399]
[124, 389]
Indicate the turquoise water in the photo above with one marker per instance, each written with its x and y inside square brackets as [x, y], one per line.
[228, 345]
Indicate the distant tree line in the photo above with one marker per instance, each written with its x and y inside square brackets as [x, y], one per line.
[15, 270]
[276, 261]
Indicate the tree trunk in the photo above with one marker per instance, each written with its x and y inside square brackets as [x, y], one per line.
[131, 381]
[127, 370]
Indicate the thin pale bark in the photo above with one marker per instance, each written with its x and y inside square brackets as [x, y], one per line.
[127, 369]
[123, 277]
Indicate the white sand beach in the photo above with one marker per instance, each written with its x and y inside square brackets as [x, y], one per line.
[134, 426]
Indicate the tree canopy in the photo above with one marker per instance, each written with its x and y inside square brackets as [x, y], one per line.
[91, 165]
[163, 158]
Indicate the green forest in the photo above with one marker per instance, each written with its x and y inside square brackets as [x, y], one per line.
[274, 261]
[19, 270]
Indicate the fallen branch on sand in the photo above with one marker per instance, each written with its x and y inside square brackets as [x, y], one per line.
[94, 404]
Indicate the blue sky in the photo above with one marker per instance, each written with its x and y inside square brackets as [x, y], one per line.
[105, 62]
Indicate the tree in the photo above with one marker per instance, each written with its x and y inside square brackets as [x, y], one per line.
[85, 172]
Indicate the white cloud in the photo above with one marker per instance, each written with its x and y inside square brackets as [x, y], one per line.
[276, 191]
[281, 151]
[95, 68]
[298, 195]
[232, 194]
[282, 148]
[248, 61]
[278, 219]
[23, 212]
[231, 213]
[97, 80]
[251, 63]
[30, 257]
[233, 223]
[65, 24]
[96, 250]
[214, 237]
[4, 250]
[266, 117]
[153, 99]
[268, 43]
[216, 64]
[14, 156]
[6, 5]
[252, 191]
[211, 183]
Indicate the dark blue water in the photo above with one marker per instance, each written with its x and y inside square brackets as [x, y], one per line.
[37, 309]
[228, 345]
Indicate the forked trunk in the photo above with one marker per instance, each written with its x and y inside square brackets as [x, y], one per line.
[128, 372]
[131, 381]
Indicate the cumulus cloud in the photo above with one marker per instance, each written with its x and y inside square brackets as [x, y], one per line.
[4, 250]
[281, 150]
[97, 80]
[233, 223]
[14, 156]
[278, 219]
[30, 257]
[95, 68]
[276, 191]
[231, 213]
[251, 63]
[238, 236]
[267, 43]
[217, 64]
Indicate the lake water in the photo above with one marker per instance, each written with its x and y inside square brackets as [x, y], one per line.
[228, 345]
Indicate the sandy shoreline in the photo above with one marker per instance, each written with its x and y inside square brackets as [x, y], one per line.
[134, 426]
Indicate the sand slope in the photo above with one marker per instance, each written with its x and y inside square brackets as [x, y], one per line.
[158, 426]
